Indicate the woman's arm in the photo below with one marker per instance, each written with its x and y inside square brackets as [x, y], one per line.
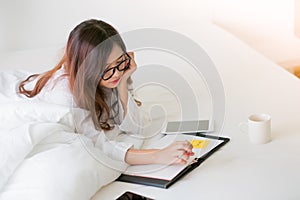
[176, 153]
[123, 85]
[123, 95]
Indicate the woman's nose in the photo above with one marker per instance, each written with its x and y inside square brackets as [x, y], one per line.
[117, 73]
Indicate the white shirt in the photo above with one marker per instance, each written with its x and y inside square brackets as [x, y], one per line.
[114, 143]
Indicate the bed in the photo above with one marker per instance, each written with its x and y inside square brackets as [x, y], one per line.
[241, 170]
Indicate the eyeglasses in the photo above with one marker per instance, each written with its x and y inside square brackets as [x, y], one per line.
[121, 66]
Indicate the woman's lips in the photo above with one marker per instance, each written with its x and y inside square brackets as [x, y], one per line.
[115, 81]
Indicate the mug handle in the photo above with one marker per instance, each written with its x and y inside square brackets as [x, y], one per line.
[243, 127]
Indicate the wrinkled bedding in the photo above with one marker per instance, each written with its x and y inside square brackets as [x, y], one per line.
[41, 156]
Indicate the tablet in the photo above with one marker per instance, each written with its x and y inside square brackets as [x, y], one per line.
[132, 196]
[174, 127]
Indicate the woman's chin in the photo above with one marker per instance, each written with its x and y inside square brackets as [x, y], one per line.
[113, 84]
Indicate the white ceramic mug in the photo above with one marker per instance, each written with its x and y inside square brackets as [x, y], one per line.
[259, 128]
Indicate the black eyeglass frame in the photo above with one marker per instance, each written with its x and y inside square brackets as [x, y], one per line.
[117, 67]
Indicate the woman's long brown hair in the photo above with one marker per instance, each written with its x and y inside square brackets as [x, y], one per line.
[88, 47]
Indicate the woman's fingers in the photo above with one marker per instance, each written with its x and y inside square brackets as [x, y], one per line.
[132, 67]
[182, 151]
[184, 145]
[131, 54]
[132, 62]
[182, 159]
[178, 152]
[184, 156]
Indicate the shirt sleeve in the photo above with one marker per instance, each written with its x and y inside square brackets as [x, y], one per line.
[113, 148]
[131, 123]
[116, 142]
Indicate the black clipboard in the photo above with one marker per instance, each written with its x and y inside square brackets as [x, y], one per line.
[162, 183]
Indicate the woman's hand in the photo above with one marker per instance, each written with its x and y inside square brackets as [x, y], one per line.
[129, 71]
[122, 87]
[176, 153]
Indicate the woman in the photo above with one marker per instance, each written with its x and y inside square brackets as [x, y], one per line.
[96, 69]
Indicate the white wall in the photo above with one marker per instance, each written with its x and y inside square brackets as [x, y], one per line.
[297, 17]
[35, 24]
[2, 28]
[266, 25]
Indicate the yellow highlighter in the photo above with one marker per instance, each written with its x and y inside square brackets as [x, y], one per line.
[199, 144]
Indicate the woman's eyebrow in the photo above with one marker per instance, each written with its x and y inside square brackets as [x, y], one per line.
[115, 60]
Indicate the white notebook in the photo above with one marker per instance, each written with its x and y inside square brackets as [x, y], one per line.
[165, 175]
[168, 172]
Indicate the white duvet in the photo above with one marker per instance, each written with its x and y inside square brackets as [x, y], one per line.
[41, 157]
